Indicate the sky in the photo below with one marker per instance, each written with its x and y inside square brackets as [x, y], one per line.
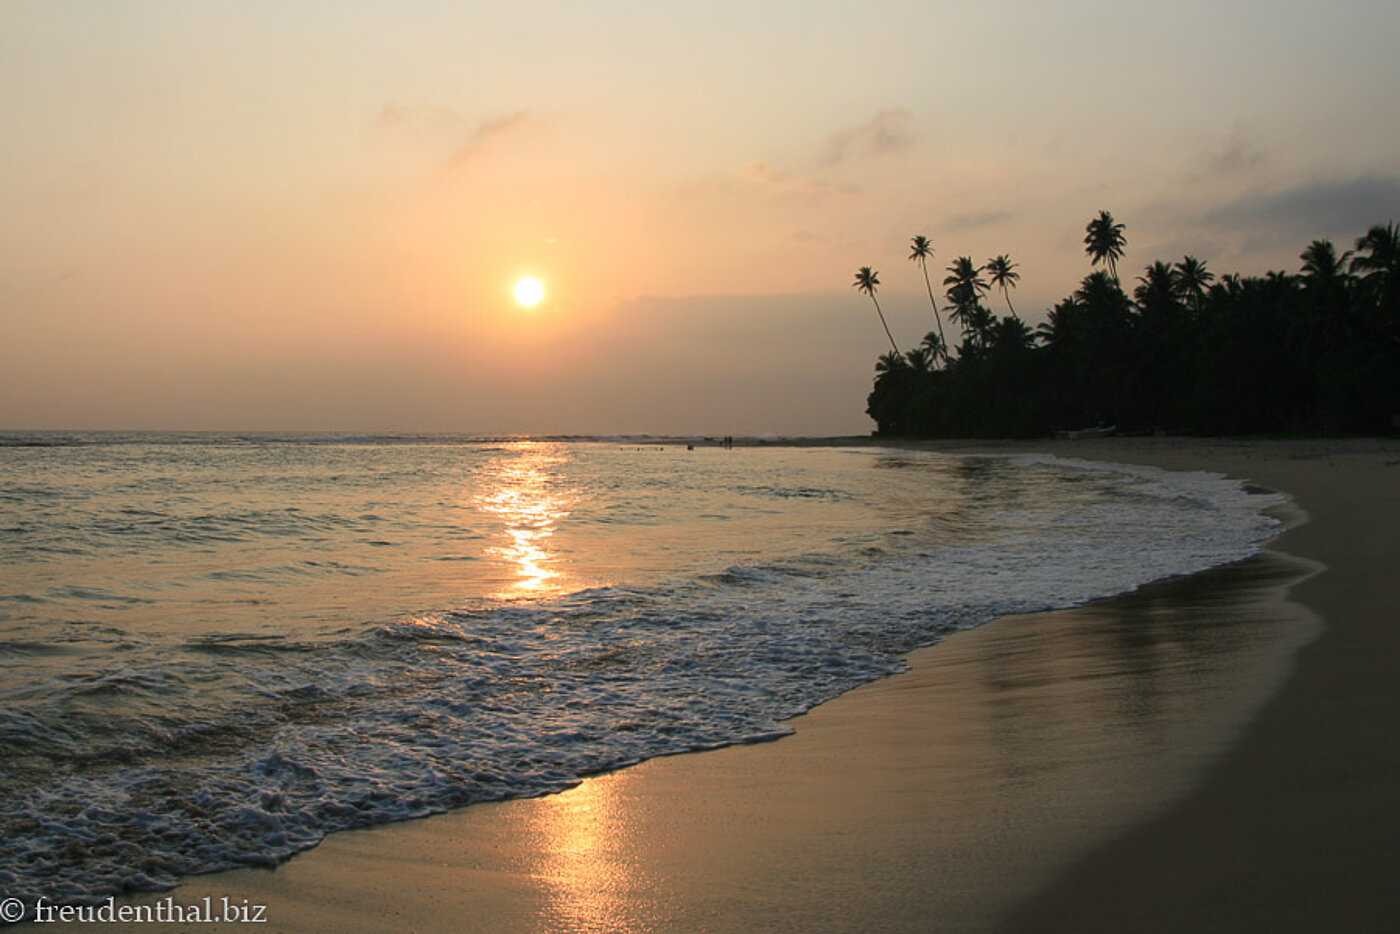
[309, 216]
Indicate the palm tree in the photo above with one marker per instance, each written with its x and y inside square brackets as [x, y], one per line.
[920, 359]
[1157, 289]
[920, 253]
[1321, 264]
[1104, 242]
[1061, 324]
[867, 281]
[965, 288]
[933, 344]
[890, 363]
[1378, 256]
[1012, 335]
[1192, 280]
[964, 281]
[1001, 271]
[1379, 250]
[1100, 290]
[1328, 287]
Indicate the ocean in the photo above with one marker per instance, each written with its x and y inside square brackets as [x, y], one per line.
[215, 649]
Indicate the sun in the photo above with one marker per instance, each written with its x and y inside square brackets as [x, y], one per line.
[528, 291]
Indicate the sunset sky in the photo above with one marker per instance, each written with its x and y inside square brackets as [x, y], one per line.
[310, 215]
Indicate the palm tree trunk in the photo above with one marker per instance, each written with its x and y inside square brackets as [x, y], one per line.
[882, 321]
[1007, 295]
[936, 316]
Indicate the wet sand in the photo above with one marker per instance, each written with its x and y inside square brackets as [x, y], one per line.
[1210, 753]
[1297, 828]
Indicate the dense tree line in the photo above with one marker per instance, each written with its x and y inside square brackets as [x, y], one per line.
[1312, 351]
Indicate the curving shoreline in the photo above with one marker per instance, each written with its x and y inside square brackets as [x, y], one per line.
[1048, 772]
[1296, 827]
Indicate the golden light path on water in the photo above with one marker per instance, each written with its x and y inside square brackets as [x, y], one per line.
[522, 495]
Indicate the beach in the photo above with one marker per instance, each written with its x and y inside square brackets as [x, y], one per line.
[1212, 752]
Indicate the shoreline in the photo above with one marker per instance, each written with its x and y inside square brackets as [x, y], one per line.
[883, 811]
[1296, 827]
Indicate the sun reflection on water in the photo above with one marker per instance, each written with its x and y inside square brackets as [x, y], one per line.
[522, 494]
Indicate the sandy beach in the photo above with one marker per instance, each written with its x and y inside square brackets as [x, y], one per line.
[1209, 753]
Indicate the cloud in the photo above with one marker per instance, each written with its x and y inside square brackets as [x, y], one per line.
[781, 181]
[488, 130]
[1236, 156]
[1319, 208]
[445, 127]
[888, 131]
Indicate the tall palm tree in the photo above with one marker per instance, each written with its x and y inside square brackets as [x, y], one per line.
[1192, 280]
[964, 281]
[867, 281]
[920, 254]
[965, 288]
[1104, 242]
[1001, 272]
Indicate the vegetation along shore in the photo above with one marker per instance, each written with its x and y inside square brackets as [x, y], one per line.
[1186, 351]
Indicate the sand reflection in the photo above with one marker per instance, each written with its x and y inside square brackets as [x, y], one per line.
[585, 860]
[523, 495]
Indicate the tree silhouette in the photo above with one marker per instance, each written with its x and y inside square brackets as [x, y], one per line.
[967, 278]
[1013, 334]
[867, 281]
[933, 344]
[1318, 350]
[1001, 272]
[1158, 288]
[921, 252]
[1378, 259]
[890, 363]
[1322, 267]
[1104, 242]
[920, 359]
[1378, 251]
[1192, 280]
[965, 287]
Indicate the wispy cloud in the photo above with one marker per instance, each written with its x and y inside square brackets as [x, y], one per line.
[448, 128]
[781, 181]
[487, 131]
[888, 131]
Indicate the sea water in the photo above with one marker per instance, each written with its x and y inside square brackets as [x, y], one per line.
[216, 649]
